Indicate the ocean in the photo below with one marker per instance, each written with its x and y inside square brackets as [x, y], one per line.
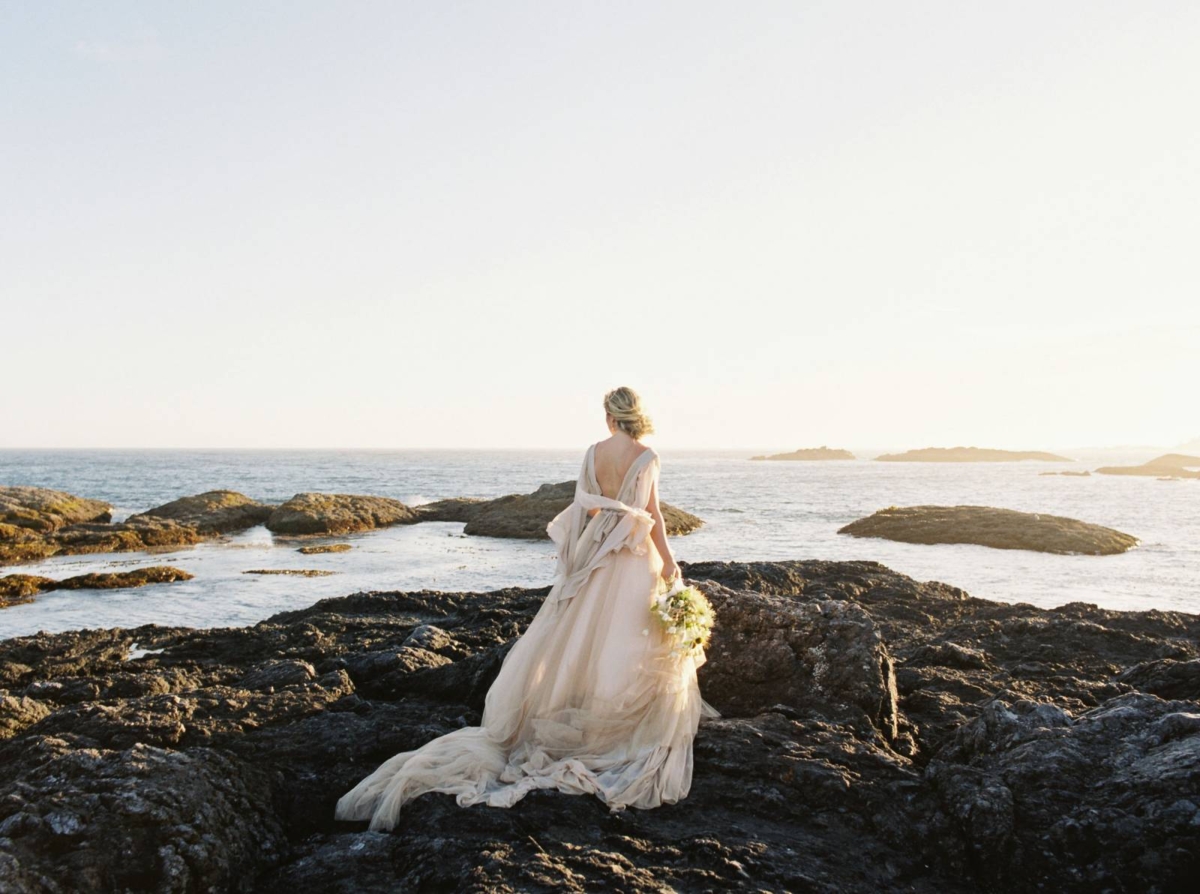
[753, 510]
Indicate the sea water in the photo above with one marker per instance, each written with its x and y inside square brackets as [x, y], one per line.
[752, 510]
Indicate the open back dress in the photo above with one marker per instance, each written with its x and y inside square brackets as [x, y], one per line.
[589, 699]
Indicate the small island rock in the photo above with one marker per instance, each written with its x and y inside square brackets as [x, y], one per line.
[970, 455]
[1170, 465]
[988, 526]
[810, 454]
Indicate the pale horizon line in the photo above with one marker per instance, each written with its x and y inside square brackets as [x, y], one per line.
[554, 448]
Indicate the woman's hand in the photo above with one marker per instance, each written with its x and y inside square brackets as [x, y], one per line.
[670, 570]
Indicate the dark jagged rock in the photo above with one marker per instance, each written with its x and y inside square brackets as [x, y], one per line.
[824, 655]
[988, 526]
[136, 818]
[16, 588]
[971, 455]
[526, 515]
[1166, 678]
[809, 454]
[1102, 800]
[1171, 465]
[212, 512]
[1028, 751]
[311, 513]
[325, 548]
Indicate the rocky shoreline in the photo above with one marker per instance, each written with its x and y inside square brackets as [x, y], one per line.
[879, 734]
[36, 523]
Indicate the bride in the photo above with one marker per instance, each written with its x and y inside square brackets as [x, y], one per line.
[589, 700]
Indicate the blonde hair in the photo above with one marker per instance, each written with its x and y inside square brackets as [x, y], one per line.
[624, 405]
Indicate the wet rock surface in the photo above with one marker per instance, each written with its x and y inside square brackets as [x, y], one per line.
[526, 515]
[16, 588]
[879, 734]
[298, 572]
[988, 526]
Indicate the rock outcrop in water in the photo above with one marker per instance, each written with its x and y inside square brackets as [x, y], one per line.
[182, 522]
[29, 516]
[36, 523]
[318, 549]
[312, 513]
[1170, 465]
[213, 512]
[526, 515]
[809, 454]
[43, 511]
[879, 735]
[970, 455]
[18, 588]
[988, 526]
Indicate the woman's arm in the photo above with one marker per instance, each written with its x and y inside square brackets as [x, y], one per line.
[659, 535]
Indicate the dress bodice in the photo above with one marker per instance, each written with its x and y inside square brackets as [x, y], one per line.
[583, 540]
[628, 491]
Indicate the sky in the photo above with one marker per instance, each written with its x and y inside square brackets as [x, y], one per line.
[386, 224]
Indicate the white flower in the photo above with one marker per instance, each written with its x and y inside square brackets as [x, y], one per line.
[645, 631]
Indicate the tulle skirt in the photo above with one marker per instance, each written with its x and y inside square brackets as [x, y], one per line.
[589, 700]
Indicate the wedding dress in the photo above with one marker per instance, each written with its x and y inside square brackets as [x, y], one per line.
[589, 700]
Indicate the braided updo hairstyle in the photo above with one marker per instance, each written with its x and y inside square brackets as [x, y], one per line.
[624, 405]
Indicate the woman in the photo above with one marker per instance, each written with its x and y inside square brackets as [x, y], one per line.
[589, 700]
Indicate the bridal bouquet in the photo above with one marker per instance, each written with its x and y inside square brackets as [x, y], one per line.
[687, 617]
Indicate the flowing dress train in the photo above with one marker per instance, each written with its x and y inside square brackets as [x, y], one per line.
[589, 700]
